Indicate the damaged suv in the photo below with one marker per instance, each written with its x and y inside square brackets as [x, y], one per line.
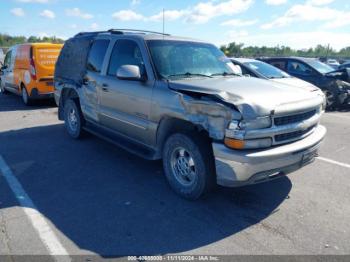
[177, 99]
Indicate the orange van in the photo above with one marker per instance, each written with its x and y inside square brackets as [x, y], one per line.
[28, 70]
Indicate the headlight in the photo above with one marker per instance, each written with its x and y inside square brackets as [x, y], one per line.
[258, 123]
[236, 132]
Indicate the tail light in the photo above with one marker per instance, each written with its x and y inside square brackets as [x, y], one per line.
[32, 69]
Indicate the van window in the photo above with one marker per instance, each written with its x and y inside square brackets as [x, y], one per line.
[7, 61]
[125, 52]
[96, 55]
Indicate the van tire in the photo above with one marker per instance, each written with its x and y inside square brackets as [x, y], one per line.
[73, 119]
[2, 89]
[188, 164]
[25, 96]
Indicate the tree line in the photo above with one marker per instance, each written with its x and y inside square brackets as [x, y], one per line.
[8, 41]
[239, 50]
[232, 49]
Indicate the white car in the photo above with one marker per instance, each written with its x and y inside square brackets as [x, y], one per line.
[333, 63]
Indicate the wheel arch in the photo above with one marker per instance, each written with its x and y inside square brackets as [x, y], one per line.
[67, 93]
[171, 125]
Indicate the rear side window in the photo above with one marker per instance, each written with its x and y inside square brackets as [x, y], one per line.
[125, 52]
[96, 55]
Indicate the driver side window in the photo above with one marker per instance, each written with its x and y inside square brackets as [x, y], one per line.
[299, 68]
[125, 52]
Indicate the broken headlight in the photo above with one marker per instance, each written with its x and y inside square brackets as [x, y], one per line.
[236, 132]
[258, 123]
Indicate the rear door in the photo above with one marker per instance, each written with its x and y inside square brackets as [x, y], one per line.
[125, 104]
[45, 57]
[93, 78]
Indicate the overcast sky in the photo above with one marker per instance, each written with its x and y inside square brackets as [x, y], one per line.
[296, 23]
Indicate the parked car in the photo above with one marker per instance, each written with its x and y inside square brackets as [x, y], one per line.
[177, 99]
[255, 68]
[28, 71]
[333, 63]
[2, 56]
[334, 83]
[345, 65]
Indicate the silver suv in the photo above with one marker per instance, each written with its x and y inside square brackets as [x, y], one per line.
[177, 99]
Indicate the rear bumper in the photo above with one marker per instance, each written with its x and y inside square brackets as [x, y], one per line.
[37, 96]
[238, 168]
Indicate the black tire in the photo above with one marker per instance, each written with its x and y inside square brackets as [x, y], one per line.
[25, 96]
[193, 179]
[2, 89]
[73, 119]
[332, 100]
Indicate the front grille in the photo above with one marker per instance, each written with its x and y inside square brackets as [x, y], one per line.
[292, 135]
[291, 119]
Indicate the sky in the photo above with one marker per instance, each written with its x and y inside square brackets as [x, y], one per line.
[295, 23]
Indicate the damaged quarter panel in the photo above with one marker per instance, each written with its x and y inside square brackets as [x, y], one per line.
[200, 107]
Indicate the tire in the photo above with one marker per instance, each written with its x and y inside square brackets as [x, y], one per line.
[73, 119]
[332, 100]
[188, 164]
[25, 97]
[2, 89]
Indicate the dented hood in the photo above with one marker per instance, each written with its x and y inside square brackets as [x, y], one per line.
[253, 97]
[340, 74]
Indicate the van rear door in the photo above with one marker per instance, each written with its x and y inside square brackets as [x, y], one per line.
[45, 57]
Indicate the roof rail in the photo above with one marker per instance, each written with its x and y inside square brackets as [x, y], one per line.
[122, 31]
[90, 33]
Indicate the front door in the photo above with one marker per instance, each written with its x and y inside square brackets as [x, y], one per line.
[125, 104]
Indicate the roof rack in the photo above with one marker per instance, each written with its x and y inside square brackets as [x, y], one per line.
[122, 31]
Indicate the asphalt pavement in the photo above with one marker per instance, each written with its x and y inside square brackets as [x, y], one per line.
[97, 199]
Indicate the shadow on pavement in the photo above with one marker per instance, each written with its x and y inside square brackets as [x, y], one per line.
[12, 102]
[110, 202]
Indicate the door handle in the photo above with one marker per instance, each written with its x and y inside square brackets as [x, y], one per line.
[105, 87]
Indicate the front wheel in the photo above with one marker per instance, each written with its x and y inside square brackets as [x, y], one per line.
[331, 99]
[73, 119]
[2, 88]
[188, 165]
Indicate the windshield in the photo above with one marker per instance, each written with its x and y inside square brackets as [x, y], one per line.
[320, 67]
[266, 70]
[183, 59]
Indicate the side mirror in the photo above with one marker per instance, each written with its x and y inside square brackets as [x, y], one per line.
[130, 72]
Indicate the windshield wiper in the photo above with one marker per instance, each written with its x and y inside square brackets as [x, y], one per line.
[188, 74]
[225, 74]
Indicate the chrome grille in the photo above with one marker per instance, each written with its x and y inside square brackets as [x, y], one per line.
[291, 119]
[293, 135]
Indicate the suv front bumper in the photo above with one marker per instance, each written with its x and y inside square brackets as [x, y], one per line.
[244, 167]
